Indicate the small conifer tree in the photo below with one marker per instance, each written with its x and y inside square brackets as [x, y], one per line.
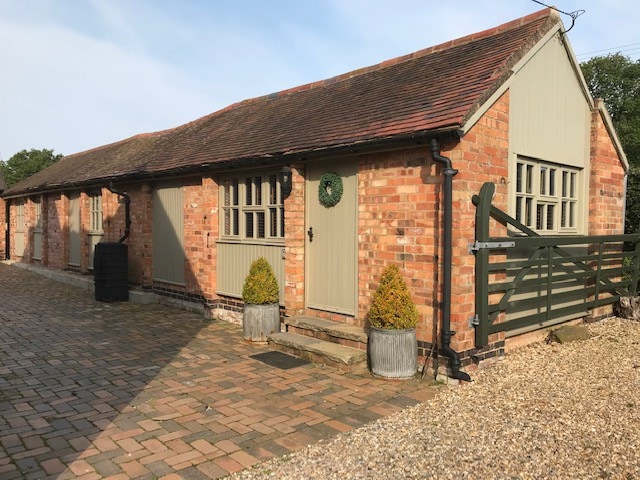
[392, 307]
[260, 286]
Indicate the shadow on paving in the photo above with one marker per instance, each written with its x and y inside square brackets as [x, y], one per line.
[93, 390]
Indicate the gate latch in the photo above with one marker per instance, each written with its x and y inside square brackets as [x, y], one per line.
[475, 246]
[474, 321]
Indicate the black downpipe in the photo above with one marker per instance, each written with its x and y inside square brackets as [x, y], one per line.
[127, 214]
[448, 171]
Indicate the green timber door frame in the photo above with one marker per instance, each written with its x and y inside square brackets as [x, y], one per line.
[331, 245]
[605, 272]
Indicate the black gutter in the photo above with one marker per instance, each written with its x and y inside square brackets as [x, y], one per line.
[414, 139]
[448, 171]
[127, 214]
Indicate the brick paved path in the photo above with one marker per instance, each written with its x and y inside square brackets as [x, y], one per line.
[96, 390]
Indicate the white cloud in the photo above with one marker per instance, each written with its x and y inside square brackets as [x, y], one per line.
[66, 91]
[82, 74]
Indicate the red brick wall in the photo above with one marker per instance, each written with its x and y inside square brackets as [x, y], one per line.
[606, 189]
[140, 239]
[3, 223]
[400, 220]
[606, 182]
[482, 156]
[200, 235]
[397, 225]
[56, 245]
[294, 238]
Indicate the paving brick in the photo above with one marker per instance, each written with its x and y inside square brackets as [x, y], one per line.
[129, 445]
[212, 470]
[183, 457]
[53, 466]
[134, 469]
[244, 459]
[228, 464]
[204, 446]
[154, 445]
[123, 389]
[80, 467]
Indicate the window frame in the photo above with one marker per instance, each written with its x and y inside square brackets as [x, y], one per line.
[96, 213]
[547, 196]
[21, 221]
[252, 208]
[37, 214]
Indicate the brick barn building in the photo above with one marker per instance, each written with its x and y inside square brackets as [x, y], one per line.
[507, 105]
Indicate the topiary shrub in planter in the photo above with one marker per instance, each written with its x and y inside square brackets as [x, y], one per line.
[393, 348]
[260, 293]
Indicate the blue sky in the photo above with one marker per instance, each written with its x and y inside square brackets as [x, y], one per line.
[77, 74]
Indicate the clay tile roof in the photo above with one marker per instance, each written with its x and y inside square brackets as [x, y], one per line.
[432, 89]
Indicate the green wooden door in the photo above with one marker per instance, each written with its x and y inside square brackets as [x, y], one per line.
[74, 229]
[331, 240]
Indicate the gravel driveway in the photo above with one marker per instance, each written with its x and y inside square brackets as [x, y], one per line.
[546, 411]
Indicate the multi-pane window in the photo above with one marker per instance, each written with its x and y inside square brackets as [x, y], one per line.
[252, 207]
[569, 199]
[546, 196]
[95, 211]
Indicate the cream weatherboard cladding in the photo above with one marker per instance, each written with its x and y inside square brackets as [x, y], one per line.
[74, 229]
[549, 139]
[234, 260]
[550, 120]
[168, 235]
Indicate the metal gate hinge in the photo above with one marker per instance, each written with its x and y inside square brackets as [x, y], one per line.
[474, 321]
[475, 246]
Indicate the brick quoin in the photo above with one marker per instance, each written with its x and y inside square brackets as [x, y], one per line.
[606, 189]
[606, 182]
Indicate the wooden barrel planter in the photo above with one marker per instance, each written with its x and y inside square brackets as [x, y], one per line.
[393, 353]
[260, 321]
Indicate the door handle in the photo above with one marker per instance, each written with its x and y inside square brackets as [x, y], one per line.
[310, 233]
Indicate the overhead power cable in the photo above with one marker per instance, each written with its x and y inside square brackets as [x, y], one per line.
[575, 14]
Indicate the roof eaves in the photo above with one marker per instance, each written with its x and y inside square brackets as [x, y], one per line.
[446, 133]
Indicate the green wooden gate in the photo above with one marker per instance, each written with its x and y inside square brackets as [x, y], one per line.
[537, 280]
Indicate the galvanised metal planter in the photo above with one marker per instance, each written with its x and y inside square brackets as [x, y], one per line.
[393, 353]
[260, 321]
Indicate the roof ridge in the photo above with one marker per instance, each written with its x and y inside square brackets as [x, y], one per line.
[518, 22]
[125, 140]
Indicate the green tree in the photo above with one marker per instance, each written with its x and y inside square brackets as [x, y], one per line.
[616, 79]
[25, 163]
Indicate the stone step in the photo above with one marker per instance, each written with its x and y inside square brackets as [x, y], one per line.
[347, 335]
[346, 359]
